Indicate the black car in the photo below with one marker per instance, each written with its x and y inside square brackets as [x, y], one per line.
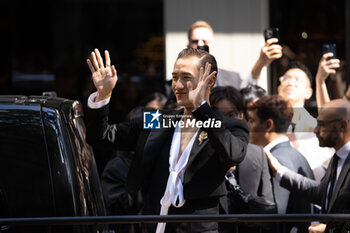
[46, 167]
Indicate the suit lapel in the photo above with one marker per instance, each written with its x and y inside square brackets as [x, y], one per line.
[344, 171]
[197, 147]
[156, 139]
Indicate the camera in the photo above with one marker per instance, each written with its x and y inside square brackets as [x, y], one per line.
[330, 48]
[271, 33]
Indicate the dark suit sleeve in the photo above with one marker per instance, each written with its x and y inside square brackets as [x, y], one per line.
[123, 136]
[113, 182]
[266, 184]
[230, 141]
[310, 189]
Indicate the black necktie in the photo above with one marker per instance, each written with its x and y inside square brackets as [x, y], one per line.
[332, 178]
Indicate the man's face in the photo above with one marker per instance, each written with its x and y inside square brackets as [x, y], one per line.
[327, 129]
[257, 129]
[295, 86]
[201, 36]
[185, 71]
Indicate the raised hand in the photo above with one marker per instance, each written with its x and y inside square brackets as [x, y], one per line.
[326, 67]
[104, 77]
[201, 92]
[270, 52]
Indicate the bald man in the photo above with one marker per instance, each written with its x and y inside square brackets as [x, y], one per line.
[332, 130]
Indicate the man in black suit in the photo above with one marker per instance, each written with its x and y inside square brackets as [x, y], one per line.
[180, 170]
[268, 119]
[332, 130]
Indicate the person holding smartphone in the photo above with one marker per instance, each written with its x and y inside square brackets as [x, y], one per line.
[295, 86]
[327, 66]
[268, 53]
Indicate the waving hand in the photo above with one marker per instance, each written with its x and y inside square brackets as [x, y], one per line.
[104, 77]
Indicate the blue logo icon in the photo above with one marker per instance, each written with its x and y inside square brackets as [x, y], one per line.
[151, 120]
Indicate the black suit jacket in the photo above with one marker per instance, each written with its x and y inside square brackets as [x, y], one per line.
[208, 162]
[290, 202]
[253, 173]
[291, 158]
[341, 206]
[316, 191]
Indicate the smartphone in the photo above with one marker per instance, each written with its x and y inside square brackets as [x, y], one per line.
[327, 48]
[203, 47]
[271, 33]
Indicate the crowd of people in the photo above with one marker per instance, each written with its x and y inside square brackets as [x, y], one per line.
[267, 147]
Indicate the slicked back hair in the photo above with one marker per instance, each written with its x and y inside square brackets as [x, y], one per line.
[203, 56]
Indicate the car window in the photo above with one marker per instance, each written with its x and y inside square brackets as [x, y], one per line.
[25, 184]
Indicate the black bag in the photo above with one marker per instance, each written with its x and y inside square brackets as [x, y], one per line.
[245, 203]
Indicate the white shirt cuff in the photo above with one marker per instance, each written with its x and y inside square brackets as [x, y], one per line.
[94, 105]
[280, 173]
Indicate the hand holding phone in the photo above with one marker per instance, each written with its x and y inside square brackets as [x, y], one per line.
[271, 33]
[330, 48]
[328, 64]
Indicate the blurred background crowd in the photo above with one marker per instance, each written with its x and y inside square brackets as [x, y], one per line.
[45, 43]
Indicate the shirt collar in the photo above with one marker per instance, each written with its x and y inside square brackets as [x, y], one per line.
[269, 146]
[344, 151]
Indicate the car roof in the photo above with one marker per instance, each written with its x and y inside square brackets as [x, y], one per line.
[66, 105]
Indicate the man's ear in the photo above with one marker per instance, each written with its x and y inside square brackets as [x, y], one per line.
[344, 125]
[269, 125]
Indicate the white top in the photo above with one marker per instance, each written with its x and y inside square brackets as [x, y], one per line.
[173, 194]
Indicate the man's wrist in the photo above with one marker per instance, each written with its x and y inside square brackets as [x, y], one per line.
[94, 104]
[101, 96]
